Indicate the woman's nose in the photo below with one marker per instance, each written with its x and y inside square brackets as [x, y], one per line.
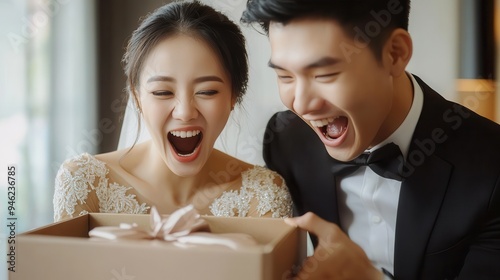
[185, 110]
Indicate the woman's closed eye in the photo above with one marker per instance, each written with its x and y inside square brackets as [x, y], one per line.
[164, 93]
[207, 92]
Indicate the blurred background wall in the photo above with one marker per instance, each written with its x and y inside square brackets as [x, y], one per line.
[61, 83]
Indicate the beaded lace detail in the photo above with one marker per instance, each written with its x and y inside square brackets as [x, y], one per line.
[258, 183]
[84, 174]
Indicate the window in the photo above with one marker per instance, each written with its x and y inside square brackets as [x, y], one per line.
[47, 93]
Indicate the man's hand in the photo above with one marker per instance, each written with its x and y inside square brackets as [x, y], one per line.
[336, 256]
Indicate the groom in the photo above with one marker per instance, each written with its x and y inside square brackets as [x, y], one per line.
[392, 179]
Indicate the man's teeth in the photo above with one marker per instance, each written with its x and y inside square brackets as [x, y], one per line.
[184, 134]
[321, 123]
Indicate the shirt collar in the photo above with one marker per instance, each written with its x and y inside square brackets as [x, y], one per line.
[403, 134]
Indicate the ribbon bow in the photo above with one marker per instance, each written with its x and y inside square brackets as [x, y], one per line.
[183, 227]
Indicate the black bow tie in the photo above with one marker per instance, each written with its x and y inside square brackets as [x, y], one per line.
[386, 161]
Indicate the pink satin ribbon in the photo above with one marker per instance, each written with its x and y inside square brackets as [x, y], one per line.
[184, 227]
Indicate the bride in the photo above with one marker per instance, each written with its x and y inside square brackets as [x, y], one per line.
[186, 68]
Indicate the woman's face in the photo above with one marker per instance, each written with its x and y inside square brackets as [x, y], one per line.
[186, 99]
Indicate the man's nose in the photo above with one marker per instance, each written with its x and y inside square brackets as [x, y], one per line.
[306, 99]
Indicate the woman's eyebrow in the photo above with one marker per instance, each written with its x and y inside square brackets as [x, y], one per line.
[202, 79]
[160, 79]
[208, 79]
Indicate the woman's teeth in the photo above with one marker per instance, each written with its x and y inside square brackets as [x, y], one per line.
[184, 134]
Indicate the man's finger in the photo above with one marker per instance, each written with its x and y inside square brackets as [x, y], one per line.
[312, 223]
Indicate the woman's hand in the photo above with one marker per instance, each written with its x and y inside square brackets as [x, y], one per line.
[336, 256]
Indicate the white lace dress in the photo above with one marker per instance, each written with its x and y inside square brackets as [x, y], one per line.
[82, 185]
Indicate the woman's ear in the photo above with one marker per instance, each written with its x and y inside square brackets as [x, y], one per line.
[233, 102]
[399, 49]
[137, 103]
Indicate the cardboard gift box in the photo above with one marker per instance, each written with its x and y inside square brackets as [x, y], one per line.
[63, 250]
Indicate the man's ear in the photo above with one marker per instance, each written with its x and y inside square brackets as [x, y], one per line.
[398, 50]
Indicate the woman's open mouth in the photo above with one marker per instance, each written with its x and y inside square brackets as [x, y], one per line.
[185, 143]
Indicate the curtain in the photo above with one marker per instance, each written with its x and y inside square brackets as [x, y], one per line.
[47, 100]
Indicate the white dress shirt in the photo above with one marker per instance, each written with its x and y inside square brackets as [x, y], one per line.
[368, 203]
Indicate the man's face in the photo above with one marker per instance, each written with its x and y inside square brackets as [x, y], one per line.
[342, 91]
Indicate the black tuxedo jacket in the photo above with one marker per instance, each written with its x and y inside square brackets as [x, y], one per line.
[448, 220]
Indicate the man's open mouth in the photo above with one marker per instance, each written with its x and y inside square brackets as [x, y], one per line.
[185, 142]
[332, 128]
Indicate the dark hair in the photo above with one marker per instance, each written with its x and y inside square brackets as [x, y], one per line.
[355, 16]
[194, 19]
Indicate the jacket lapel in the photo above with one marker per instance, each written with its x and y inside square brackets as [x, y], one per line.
[419, 203]
[322, 187]
[423, 190]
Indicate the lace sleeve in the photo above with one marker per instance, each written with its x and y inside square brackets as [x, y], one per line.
[75, 186]
[263, 194]
[271, 197]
